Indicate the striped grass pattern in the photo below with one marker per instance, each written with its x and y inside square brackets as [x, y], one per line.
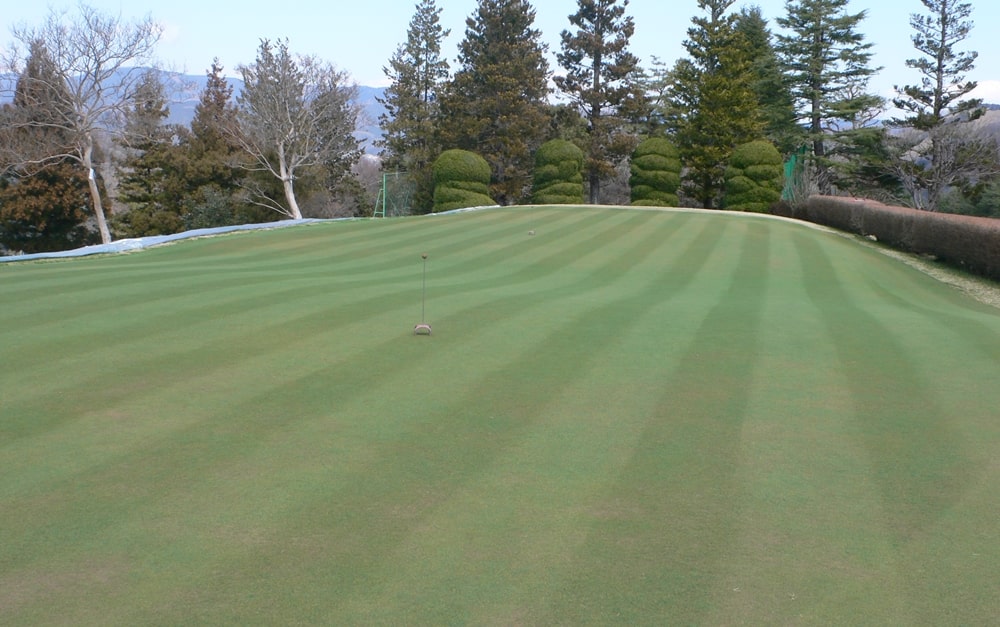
[628, 417]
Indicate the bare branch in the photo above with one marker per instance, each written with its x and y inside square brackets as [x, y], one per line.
[294, 113]
[96, 64]
[950, 155]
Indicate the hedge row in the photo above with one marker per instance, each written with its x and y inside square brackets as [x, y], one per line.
[969, 242]
[461, 179]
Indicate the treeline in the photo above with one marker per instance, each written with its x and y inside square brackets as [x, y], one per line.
[744, 91]
[86, 130]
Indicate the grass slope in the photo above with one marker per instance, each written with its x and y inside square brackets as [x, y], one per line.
[631, 417]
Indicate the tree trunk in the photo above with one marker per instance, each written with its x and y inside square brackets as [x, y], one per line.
[95, 192]
[287, 183]
[293, 206]
[595, 187]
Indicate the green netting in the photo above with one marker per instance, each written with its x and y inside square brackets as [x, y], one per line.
[395, 197]
[794, 173]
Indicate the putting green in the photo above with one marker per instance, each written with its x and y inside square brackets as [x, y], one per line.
[624, 417]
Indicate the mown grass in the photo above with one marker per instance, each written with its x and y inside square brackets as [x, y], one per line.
[631, 417]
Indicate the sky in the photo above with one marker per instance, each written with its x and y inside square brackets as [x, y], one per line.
[359, 36]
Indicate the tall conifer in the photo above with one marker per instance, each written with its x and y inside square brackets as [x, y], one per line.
[713, 108]
[151, 181]
[416, 71]
[942, 68]
[42, 208]
[769, 82]
[828, 64]
[495, 105]
[210, 149]
[602, 81]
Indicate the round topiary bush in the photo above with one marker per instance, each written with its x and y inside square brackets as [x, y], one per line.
[656, 173]
[754, 178]
[461, 179]
[558, 178]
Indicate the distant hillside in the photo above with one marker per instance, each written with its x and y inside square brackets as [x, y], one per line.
[185, 90]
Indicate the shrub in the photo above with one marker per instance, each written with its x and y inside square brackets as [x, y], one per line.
[558, 178]
[754, 178]
[656, 173]
[461, 179]
[972, 243]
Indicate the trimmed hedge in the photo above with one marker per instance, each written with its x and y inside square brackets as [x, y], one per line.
[558, 177]
[461, 179]
[969, 242]
[754, 178]
[656, 173]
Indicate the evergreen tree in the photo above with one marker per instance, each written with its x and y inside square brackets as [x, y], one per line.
[41, 101]
[495, 105]
[42, 207]
[942, 68]
[769, 82]
[655, 173]
[655, 85]
[714, 108]
[149, 177]
[46, 210]
[102, 57]
[416, 71]
[210, 157]
[211, 150]
[944, 151]
[558, 177]
[602, 79]
[827, 62]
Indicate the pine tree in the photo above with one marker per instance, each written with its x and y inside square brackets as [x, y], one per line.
[655, 85]
[210, 145]
[713, 108]
[416, 71]
[769, 82]
[150, 179]
[602, 81]
[943, 151]
[102, 57]
[46, 210]
[495, 104]
[827, 62]
[942, 67]
[42, 206]
[210, 155]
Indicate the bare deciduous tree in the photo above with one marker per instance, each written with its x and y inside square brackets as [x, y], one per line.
[929, 163]
[97, 61]
[295, 113]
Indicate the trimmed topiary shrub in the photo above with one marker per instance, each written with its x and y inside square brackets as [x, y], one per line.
[558, 178]
[461, 179]
[754, 178]
[656, 173]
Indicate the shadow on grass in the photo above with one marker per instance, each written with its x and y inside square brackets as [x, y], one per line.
[917, 457]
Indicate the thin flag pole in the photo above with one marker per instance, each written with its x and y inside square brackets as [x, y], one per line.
[423, 328]
[423, 290]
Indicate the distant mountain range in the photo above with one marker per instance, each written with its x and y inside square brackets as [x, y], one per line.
[185, 90]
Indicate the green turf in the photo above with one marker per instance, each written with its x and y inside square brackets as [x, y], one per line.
[629, 417]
